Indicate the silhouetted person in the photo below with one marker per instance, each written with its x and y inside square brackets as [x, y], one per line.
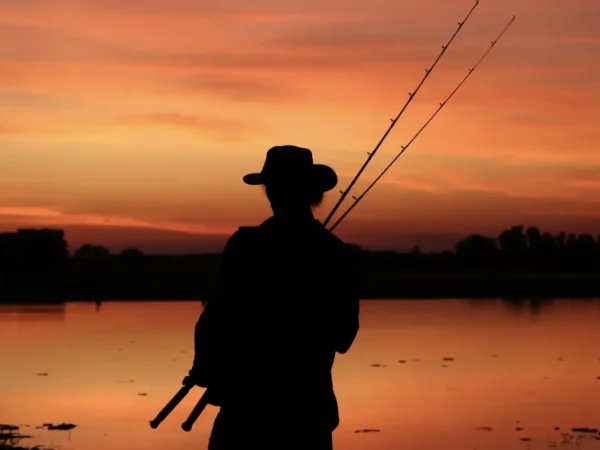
[286, 303]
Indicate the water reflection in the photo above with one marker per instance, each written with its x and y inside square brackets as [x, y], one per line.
[44, 313]
[449, 374]
[534, 305]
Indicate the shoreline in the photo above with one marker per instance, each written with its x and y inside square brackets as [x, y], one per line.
[42, 290]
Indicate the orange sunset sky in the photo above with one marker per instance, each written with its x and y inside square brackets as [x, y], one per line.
[131, 122]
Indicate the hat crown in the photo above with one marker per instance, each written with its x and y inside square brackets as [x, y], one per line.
[287, 159]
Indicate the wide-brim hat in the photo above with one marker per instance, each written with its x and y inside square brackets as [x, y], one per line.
[289, 164]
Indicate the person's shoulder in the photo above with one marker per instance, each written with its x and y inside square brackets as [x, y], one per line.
[240, 237]
[336, 242]
[333, 240]
[246, 231]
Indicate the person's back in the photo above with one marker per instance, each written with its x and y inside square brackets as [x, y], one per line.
[283, 325]
[287, 304]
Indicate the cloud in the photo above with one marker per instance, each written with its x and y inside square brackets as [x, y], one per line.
[27, 211]
[351, 36]
[367, 39]
[454, 190]
[81, 122]
[54, 217]
[11, 99]
[319, 48]
[225, 128]
[19, 43]
[10, 130]
[513, 178]
[326, 48]
[181, 9]
[26, 43]
[237, 88]
[148, 240]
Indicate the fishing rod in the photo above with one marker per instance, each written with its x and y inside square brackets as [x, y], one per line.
[405, 147]
[411, 95]
[172, 404]
[188, 384]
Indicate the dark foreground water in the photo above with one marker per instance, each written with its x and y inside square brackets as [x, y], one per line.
[451, 374]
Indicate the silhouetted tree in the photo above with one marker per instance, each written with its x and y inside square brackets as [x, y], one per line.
[513, 241]
[476, 246]
[586, 240]
[549, 244]
[571, 243]
[131, 255]
[561, 240]
[91, 251]
[534, 239]
[34, 249]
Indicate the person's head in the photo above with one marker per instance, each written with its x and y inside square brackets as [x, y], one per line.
[291, 180]
[285, 196]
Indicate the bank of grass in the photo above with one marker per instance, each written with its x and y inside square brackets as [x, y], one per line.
[578, 438]
[377, 283]
[11, 438]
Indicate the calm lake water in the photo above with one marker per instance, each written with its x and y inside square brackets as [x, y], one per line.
[513, 367]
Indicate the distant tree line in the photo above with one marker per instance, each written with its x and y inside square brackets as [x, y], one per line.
[531, 248]
[47, 249]
[33, 249]
[514, 249]
[36, 265]
[519, 242]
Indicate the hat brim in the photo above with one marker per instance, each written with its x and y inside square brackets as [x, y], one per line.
[253, 179]
[320, 175]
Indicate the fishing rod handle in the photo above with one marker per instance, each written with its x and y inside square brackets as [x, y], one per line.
[169, 407]
[198, 409]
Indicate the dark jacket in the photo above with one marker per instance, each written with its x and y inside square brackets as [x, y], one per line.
[286, 303]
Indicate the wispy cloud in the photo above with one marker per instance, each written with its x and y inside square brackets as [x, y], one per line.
[27, 100]
[48, 216]
[236, 88]
[225, 128]
[36, 44]
[198, 9]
